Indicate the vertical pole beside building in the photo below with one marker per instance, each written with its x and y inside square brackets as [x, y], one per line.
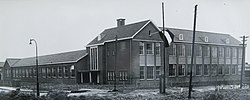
[37, 75]
[192, 59]
[163, 83]
[243, 60]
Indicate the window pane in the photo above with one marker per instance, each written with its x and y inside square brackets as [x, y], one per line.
[214, 51]
[150, 47]
[150, 72]
[206, 69]
[142, 72]
[172, 69]
[181, 70]
[188, 50]
[226, 68]
[141, 47]
[158, 72]
[220, 69]
[157, 48]
[198, 69]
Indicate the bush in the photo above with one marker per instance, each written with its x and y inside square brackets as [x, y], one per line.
[213, 96]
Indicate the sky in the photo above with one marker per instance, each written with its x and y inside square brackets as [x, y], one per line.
[68, 25]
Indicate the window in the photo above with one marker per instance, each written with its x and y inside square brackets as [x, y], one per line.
[142, 74]
[189, 70]
[23, 72]
[214, 52]
[206, 39]
[227, 41]
[198, 50]
[206, 50]
[188, 50]
[30, 71]
[49, 72]
[234, 52]
[172, 49]
[54, 70]
[198, 69]
[27, 72]
[150, 48]
[150, 74]
[60, 72]
[233, 69]
[93, 58]
[66, 72]
[72, 71]
[141, 47]
[226, 69]
[181, 49]
[13, 72]
[123, 75]
[43, 72]
[220, 69]
[180, 36]
[221, 52]
[157, 48]
[228, 52]
[181, 70]
[157, 72]
[111, 76]
[34, 72]
[206, 69]
[172, 69]
[240, 52]
[214, 69]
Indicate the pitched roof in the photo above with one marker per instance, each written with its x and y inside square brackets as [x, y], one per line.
[66, 57]
[213, 38]
[125, 31]
[1, 64]
[12, 61]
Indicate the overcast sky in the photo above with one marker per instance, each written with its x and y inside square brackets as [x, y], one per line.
[68, 25]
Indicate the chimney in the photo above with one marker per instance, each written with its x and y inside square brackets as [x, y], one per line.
[120, 22]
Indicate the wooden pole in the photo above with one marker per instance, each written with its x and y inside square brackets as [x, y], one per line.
[192, 58]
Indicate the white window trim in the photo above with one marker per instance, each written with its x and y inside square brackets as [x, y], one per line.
[96, 67]
[183, 71]
[144, 74]
[143, 48]
[196, 70]
[208, 72]
[181, 37]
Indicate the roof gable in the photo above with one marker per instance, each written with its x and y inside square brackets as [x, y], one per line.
[122, 32]
[1, 64]
[66, 57]
[12, 61]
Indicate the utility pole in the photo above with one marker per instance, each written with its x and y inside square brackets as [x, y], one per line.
[192, 59]
[164, 54]
[243, 60]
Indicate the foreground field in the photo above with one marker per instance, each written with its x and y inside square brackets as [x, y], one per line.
[200, 93]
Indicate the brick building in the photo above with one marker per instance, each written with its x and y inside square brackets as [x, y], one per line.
[133, 52]
[139, 56]
[63, 68]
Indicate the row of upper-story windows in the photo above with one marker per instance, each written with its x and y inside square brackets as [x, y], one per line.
[149, 48]
[216, 51]
[44, 72]
[199, 70]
